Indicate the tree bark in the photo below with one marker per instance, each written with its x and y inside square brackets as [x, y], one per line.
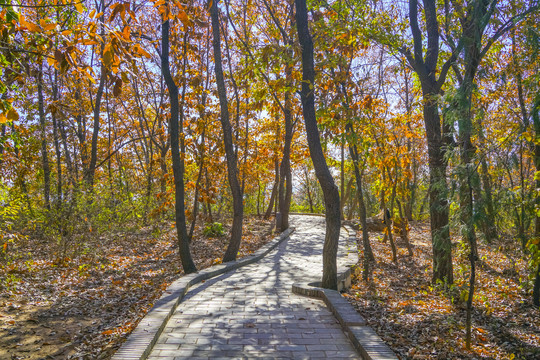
[57, 143]
[178, 161]
[43, 134]
[329, 188]
[285, 183]
[91, 170]
[535, 112]
[431, 86]
[232, 167]
[369, 258]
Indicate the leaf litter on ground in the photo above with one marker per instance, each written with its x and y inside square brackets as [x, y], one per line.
[420, 320]
[83, 306]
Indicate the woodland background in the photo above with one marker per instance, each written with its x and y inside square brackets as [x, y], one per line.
[137, 117]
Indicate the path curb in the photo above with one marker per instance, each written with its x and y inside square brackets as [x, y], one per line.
[141, 341]
[365, 340]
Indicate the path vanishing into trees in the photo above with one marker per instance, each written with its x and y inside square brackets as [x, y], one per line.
[251, 312]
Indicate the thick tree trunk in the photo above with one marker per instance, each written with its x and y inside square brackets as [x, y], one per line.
[177, 160]
[329, 188]
[232, 167]
[426, 68]
[438, 196]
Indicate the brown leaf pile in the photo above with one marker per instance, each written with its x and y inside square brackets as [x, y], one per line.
[421, 321]
[84, 306]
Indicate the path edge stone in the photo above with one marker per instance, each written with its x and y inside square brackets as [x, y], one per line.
[143, 338]
[366, 341]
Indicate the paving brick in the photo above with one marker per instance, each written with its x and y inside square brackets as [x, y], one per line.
[252, 313]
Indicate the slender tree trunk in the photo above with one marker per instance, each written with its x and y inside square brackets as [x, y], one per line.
[273, 194]
[369, 258]
[308, 189]
[404, 231]
[387, 219]
[258, 196]
[178, 163]
[69, 164]
[285, 192]
[208, 204]
[473, 256]
[329, 188]
[89, 176]
[490, 225]
[412, 186]
[536, 122]
[232, 167]
[2, 143]
[342, 177]
[163, 165]
[43, 134]
[197, 186]
[353, 201]
[57, 149]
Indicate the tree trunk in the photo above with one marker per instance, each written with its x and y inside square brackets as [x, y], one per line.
[197, 186]
[438, 196]
[57, 143]
[232, 167]
[91, 170]
[329, 188]
[43, 134]
[369, 258]
[285, 192]
[308, 189]
[342, 177]
[490, 225]
[404, 231]
[273, 194]
[178, 161]
[2, 142]
[535, 112]
[426, 68]
[208, 204]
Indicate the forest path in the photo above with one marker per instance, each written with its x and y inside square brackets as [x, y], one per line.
[251, 312]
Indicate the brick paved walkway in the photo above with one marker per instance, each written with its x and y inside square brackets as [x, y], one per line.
[252, 313]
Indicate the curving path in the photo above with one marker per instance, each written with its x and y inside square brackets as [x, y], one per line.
[251, 312]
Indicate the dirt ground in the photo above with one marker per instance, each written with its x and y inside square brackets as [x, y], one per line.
[421, 321]
[84, 305]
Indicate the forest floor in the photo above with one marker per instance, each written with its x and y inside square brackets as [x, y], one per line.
[85, 305]
[421, 321]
